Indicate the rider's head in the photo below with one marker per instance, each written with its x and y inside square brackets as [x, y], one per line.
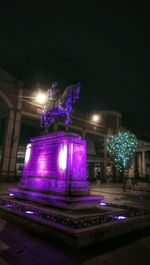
[53, 91]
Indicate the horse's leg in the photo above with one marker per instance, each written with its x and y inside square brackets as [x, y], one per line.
[67, 121]
[45, 131]
[42, 124]
[45, 125]
[50, 121]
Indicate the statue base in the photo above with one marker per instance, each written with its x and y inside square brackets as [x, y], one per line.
[55, 172]
[58, 201]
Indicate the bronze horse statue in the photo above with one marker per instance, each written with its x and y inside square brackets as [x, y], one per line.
[60, 108]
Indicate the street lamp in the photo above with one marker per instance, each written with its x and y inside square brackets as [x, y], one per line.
[96, 118]
[41, 98]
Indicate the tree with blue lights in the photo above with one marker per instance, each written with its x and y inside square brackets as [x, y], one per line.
[121, 148]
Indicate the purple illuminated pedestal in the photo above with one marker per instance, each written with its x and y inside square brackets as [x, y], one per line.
[55, 172]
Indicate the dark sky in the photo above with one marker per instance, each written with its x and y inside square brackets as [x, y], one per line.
[106, 48]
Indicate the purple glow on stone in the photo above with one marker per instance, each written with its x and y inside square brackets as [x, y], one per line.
[103, 203]
[71, 148]
[79, 161]
[29, 212]
[28, 152]
[41, 164]
[62, 160]
[120, 217]
[52, 160]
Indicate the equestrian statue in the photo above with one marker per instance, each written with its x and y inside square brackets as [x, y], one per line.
[59, 107]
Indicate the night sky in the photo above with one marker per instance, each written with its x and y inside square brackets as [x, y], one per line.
[106, 48]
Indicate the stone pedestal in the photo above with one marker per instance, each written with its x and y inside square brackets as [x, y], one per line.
[55, 172]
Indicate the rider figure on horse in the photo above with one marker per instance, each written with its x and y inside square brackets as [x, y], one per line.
[59, 107]
[53, 92]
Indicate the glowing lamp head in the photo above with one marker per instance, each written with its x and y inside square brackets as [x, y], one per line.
[96, 118]
[41, 98]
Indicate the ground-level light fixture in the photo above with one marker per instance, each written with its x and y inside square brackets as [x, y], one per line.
[29, 212]
[103, 203]
[120, 217]
[11, 194]
[9, 205]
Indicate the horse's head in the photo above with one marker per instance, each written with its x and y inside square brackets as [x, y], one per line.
[75, 91]
[69, 96]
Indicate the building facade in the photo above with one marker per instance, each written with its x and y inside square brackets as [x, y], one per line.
[140, 168]
[20, 121]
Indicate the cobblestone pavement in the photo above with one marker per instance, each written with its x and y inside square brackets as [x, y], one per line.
[137, 253]
[4, 187]
[18, 247]
[113, 193]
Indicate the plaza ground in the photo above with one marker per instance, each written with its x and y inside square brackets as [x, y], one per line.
[21, 248]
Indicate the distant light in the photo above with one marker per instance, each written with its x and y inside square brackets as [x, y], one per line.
[103, 203]
[41, 98]
[120, 217]
[96, 118]
[141, 197]
[29, 212]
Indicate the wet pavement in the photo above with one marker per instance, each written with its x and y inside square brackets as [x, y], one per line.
[114, 193]
[18, 247]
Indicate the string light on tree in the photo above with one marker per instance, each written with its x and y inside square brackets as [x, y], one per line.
[121, 148]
